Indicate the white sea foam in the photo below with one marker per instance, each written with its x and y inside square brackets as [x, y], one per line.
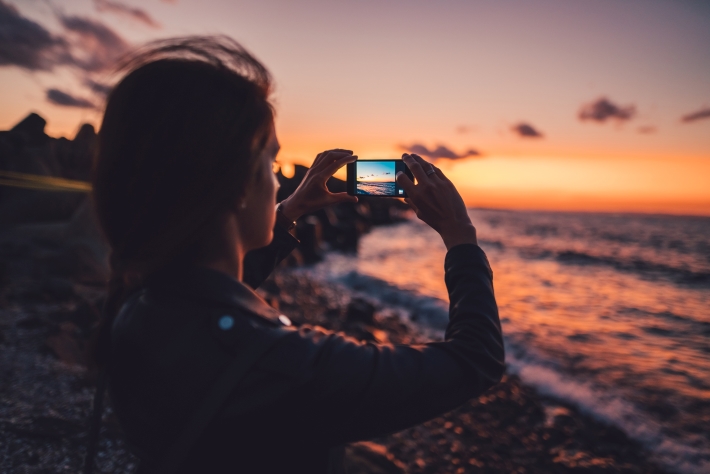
[613, 409]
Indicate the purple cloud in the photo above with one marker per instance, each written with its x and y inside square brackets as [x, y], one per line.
[127, 11]
[26, 44]
[86, 45]
[57, 97]
[695, 116]
[97, 87]
[95, 45]
[526, 130]
[603, 109]
[440, 151]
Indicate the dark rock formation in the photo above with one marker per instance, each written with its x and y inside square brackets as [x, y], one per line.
[27, 149]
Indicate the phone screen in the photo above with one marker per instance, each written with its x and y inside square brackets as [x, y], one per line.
[377, 178]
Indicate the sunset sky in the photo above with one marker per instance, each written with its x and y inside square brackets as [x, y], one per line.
[587, 105]
[375, 172]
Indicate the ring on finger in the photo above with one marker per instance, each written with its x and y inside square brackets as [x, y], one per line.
[430, 172]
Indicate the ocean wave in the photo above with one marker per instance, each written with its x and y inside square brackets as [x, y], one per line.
[425, 310]
[653, 270]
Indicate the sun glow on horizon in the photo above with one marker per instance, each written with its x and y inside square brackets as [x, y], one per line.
[604, 116]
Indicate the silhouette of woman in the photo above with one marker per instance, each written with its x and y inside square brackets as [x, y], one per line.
[204, 376]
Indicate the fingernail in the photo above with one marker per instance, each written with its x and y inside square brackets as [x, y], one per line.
[397, 175]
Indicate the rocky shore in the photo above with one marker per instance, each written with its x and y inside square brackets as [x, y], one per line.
[52, 270]
[46, 396]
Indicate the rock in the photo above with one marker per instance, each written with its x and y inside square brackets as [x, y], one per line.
[75, 156]
[66, 344]
[84, 316]
[27, 149]
[360, 310]
[31, 129]
[85, 247]
[47, 427]
[359, 331]
[309, 233]
[48, 289]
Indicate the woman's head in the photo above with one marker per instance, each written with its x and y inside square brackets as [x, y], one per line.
[187, 139]
[180, 143]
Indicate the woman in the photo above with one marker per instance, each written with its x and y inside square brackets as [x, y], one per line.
[204, 376]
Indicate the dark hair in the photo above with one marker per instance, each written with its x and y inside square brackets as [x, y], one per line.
[179, 141]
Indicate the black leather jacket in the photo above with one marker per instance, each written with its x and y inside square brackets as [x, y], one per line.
[313, 391]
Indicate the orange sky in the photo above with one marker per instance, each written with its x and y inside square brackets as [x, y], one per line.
[376, 76]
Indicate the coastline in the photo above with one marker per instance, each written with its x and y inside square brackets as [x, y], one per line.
[509, 428]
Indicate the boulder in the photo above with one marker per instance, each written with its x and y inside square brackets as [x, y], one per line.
[360, 310]
[27, 149]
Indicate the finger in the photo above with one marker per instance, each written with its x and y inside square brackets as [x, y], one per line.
[426, 166]
[415, 168]
[318, 159]
[405, 183]
[339, 163]
[337, 152]
[411, 204]
[329, 155]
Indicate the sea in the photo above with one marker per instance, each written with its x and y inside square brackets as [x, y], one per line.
[608, 312]
[376, 189]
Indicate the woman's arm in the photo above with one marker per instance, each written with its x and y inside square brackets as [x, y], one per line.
[347, 390]
[258, 264]
[343, 390]
[311, 195]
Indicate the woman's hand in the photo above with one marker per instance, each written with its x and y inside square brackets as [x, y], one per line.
[312, 194]
[436, 201]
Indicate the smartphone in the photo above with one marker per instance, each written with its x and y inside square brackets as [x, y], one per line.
[376, 178]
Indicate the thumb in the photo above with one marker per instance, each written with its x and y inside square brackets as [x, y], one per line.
[405, 183]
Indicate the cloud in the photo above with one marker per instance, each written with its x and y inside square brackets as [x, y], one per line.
[127, 11]
[96, 87]
[647, 129]
[26, 44]
[87, 45]
[694, 116]
[57, 97]
[441, 151]
[95, 46]
[603, 109]
[526, 130]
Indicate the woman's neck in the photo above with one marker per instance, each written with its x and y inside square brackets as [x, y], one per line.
[223, 250]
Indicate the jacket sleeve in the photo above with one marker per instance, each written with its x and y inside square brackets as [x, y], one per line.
[348, 390]
[258, 264]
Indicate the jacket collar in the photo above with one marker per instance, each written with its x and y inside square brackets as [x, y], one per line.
[212, 286]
